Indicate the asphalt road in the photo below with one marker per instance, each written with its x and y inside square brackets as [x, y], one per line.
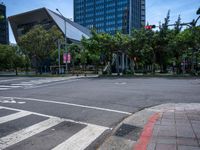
[86, 102]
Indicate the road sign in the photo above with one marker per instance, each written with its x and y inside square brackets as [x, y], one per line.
[65, 58]
[68, 58]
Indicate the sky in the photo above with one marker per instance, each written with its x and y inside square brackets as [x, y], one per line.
[156, 10]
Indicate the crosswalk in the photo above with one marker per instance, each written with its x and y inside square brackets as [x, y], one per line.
[57, 133]
[35, 83]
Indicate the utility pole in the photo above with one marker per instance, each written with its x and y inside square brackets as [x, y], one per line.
[65, 24]
[59, 55]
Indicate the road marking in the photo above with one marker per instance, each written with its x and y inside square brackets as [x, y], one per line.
[21, 84]
[82, 139]
[10, 101]
[9, 80]
[69, 120]
[71, 104]
[28, 132]
[9, 86]
[4, 89]
[14, 116]
[31, 84]
[32, 87]
[120, 83]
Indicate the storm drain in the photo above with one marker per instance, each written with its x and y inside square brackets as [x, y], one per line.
[129, 132]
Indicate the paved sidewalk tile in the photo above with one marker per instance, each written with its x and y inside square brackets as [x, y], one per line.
[178, 130]
[151, 146]
[181, 147]
[187, 141]
[165, 146]
[164, 140]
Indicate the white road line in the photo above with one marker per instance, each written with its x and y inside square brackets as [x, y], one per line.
[82, 139]
[9, 86]
[71, 104]
[28, 132]
[14, 116]
[67, 81]
[4, 89]
[69, 120]
[21, 84]
[9, 80]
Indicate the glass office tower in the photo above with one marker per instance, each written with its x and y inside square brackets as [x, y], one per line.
[4, 35]
[110, 15]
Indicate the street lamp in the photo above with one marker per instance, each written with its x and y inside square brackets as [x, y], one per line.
[198, 11]
[65, 22]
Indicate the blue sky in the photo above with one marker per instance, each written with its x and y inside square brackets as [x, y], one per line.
[156, 9]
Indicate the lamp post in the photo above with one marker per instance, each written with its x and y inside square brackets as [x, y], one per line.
[65, 35]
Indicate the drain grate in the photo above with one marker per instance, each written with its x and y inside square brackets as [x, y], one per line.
[128, 131]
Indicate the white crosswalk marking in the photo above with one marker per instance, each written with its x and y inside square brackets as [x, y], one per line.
[14, 116]
[7, 87]
[9, 80]
[78, 141]
[36, 83]
[21, 84]
[28, 132]
[4, 89]
[82, 139]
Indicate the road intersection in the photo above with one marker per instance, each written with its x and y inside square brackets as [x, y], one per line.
[55, 113]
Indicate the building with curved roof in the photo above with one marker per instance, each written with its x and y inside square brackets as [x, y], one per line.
[23, 22]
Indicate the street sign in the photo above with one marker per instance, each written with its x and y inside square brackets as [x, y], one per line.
[65, 58]
[68, 58]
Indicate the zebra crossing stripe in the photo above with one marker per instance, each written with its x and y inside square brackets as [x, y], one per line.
[82, 139]
[9, 86]
[21, 84]
[4, 89]
[14, 116]
[9, 80]
[28, 132]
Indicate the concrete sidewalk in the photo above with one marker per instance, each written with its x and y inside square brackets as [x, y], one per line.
[163, 127]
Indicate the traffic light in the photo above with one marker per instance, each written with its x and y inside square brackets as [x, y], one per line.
[150, 27]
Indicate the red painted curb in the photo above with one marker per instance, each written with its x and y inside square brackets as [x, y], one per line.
[146, 133]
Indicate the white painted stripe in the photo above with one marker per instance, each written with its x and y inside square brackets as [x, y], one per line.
[9, 86]
[67, 81]
[71, 104]
[27, 132]
[82, 139]
[4, 89]
[69, 120]
[14, 116]
[9, 80]
[21, 84]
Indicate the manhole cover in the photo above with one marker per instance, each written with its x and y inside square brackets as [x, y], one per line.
[129, 132]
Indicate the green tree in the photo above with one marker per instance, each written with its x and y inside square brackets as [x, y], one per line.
[38, 44]
[11, 58]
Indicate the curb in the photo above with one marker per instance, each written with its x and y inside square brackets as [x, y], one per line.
[140, 127]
